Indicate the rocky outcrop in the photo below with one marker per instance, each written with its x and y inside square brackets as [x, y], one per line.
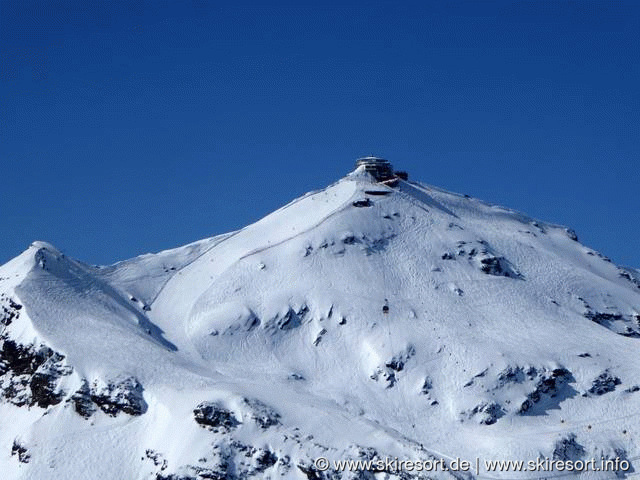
[31, 375]
[548, 384]
[604, 383]
[543, 389]
[20, 451]
[482, 256]
[486, 413]
[260, 413]
[113, 398]
[227, 460]
[215, 416]
[292, 318]
[624, 324]
[389, 370]
[9, 310]
[568, 448]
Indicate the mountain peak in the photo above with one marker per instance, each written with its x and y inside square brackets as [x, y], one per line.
[378, 316]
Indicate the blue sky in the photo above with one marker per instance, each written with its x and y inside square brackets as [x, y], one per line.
[129, 127]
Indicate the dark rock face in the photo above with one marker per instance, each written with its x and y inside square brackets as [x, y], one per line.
[215, 416]
[232, 460]
[388, 372]
[20, 451]
[480, 254]
[293, 318]
[571, 233]
[495, 266]
[399, 360]
[261, 414]
[160, 476]
[125, 396]
[351, 242]
[629, 276]
[604, 383]
[568, 448]
[602, 318]
[625, 325]
[363, 203]
[487, 413]
[31, 375]
[547, 389]
[515, 375]
[82, 402]
[312, 473]
[9, 310]
[427, 385]
[622, 324]
[476, 377]
[550, 385]
[157, 459]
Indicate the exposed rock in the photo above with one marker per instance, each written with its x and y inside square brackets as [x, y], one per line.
[312, 473]
[627, 275]
[604, 383]
[475, 377]
[157, 459]
[486, 413]
[251, 460]
[215, 416]
[82, 402]
[399, 360]
[318, 338]
[515, 375]
[548, 385]
[482, 256]
[21, 451]
[389, 370]
[626, 325]
[616, 457]
[261, 414]
[350, 240]
[31, 375]
[603, 318]
[388, 376]
[363, 203]
[427, 385]
[293, 318]
[571, 233]
[125, 396]
[172, 476]
[9, 310]
[228, 461]
[568, 448]
[376, 245]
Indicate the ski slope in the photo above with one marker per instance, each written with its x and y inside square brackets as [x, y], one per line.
[362, 320]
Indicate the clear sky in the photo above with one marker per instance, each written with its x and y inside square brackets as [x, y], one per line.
[130, 127]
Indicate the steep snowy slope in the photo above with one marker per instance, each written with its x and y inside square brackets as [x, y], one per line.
[365, 320]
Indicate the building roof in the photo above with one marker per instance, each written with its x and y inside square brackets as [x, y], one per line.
[371, 160]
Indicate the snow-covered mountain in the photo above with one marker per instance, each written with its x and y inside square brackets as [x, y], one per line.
[363, 321]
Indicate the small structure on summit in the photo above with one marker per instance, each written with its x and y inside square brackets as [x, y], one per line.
[379, 168]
